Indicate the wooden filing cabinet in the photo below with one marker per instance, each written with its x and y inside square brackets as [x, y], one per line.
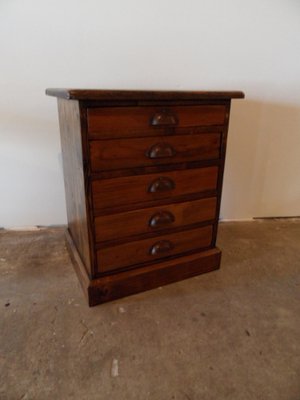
[143, 176]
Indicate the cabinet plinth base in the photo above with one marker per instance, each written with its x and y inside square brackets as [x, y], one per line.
[137, 280]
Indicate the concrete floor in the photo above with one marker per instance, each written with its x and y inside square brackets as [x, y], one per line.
[230, 334]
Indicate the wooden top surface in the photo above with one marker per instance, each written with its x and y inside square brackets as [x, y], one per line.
[93, 94]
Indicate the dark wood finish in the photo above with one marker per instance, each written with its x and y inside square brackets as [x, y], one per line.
[142, 251]
[131, 153]
[138, 95]
[71, 144]
[221, 173]
[109, 193]
[154, 219]
[115, 286]
[107, 122]
[143, 174]
[80, 267]
[165, 132]
[118, 173]
[152, 276]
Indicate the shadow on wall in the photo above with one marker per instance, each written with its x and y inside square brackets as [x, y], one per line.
[31, 177]
[262, 163]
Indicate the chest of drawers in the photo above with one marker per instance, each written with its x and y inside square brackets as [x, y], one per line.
[143, 177]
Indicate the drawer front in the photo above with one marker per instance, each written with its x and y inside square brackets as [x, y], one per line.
[154, 219]
[108, 193]
[108, 122]
[142, 251]
[129, 153]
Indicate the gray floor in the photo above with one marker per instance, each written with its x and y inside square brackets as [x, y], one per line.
[230, 334]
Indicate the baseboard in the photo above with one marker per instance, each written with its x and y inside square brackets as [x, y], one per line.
[101, 290]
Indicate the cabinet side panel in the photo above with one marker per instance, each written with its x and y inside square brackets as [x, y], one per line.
[221, 169]
[71, 143]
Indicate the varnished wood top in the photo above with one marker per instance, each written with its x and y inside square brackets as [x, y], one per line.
[91, 94]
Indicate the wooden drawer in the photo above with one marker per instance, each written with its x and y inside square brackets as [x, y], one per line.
[129, 190]
[142, 251]
[154, 219]
[129, 153]
[108, 122]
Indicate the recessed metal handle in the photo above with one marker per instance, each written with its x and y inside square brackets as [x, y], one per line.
[164, 117]
[161, 150]
[161, 218]
[162, 184]
[161, 247]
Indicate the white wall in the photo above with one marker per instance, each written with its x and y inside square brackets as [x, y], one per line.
[167, 44]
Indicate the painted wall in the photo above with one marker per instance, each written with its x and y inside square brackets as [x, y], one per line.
[197, 44]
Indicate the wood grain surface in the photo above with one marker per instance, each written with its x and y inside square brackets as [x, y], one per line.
[142, 251]
[71, 143]
[138, 95]
[107, 122]
[110, 193]
[143, 174]
[137, 222]
[131, 153]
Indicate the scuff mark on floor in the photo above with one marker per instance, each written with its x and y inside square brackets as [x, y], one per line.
[85, 332]
[115, 368]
